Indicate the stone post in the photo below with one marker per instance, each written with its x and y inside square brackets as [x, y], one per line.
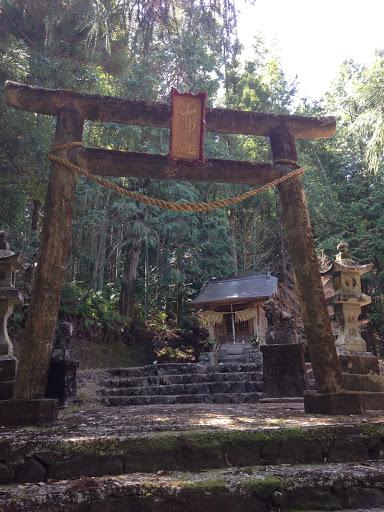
[62, 369]
[284, 372]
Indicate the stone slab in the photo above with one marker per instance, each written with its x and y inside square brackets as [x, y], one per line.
[28, 412]
[61, 382]
[285, 400]
[340, 403]
[368, 364]
[283, 370]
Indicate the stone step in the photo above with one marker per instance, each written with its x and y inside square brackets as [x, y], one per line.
[186, 378]
[183, 368]
[217, 398]
[313, 487]
[183, 383]
[284, 400]
[41, 455]
[209, 388]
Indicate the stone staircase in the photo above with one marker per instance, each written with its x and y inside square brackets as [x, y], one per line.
[223, 383]
[240, 458]
[328, 467]
[181, 383]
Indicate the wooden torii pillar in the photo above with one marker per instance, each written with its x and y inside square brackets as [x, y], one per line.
[71, 109]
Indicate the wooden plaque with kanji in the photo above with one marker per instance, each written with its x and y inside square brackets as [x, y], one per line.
[187, 126]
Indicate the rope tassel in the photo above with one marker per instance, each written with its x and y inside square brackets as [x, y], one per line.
[178, 207]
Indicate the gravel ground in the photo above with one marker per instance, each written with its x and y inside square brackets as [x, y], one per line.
[89, 419]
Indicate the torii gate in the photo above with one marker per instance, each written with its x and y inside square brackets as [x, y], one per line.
[71, 109]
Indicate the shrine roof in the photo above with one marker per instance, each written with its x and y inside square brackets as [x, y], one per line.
[237, 288]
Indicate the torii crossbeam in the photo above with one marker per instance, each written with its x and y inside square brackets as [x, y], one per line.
[71, 109]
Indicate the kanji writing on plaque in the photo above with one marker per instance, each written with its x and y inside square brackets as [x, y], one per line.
[187, 126]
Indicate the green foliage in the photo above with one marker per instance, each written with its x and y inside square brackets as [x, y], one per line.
[159, 322]
[210, 342]
[266, 487]
[254, 340]
[141, 50]
[344, 179]
[96, 309]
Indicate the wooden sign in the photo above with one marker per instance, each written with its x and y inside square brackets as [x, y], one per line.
[187, 126]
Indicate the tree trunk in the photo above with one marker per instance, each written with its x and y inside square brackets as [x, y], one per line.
[36, 206]
[325, 363]
[113, 255]
[51, 266]
[101, 248]
[78, 236]
[28, 274]
[232, 224]
[179, 305]
[131, 264]
[146, 275]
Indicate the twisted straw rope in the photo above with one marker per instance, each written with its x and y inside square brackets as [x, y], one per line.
[178, 207]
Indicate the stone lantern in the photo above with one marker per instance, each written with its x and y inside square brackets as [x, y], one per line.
[360, 369]
[10, 263]
[348, 300]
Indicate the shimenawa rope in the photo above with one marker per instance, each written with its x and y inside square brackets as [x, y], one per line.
[178, 207]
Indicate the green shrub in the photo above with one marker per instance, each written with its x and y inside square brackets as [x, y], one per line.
[98, 309]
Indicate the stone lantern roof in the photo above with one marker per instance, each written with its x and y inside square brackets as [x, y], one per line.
[10, 263]
[12, 258]
[346, 274]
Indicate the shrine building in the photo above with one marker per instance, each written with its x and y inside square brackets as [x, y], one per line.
[233, 306]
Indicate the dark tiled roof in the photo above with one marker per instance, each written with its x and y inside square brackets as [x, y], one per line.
[237, 288]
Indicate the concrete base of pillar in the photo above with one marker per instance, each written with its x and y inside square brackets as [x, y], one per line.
[340, 403]
[6, 389]
[28, 412]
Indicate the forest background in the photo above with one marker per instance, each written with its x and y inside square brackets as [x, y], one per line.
[132, 268]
